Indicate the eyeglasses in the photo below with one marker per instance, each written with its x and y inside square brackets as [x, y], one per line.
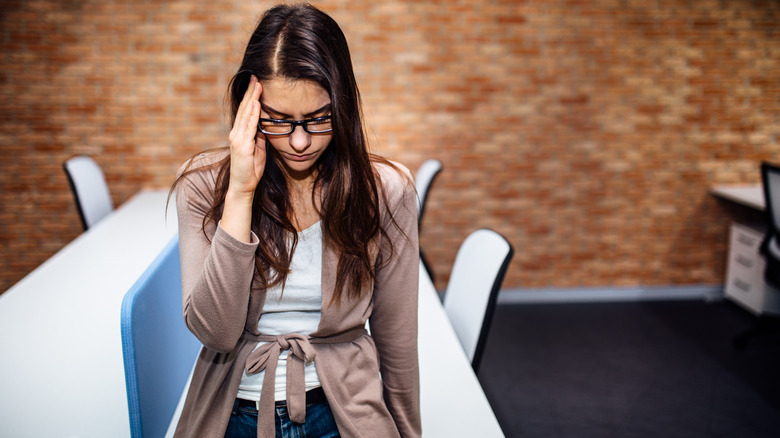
[318, 125]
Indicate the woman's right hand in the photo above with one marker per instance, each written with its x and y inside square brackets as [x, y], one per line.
[247, 144]
[247, 162]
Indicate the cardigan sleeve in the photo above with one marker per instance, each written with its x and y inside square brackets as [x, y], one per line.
[394, 316]
[217, 269]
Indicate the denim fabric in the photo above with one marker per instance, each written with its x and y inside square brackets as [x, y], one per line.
[319, 423]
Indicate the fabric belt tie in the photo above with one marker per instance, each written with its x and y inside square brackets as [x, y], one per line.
[266, 357]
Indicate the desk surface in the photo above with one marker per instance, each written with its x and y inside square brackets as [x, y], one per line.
[60, 327]
[61, 341]
[748, 195]
[451, 398]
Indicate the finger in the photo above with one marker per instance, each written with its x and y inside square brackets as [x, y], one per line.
[252, 119]
[254, 98]
[260, 143]
[246, 122]
[254, 114]
[258, 90]
[247, 96]
[260, 154]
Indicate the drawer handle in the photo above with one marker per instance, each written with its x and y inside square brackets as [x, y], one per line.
[742, 285]
[744, 261]
[747, 240]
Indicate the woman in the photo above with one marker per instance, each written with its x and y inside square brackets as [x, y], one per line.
[290, 240]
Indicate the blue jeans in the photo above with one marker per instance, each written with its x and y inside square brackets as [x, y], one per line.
[319, 423]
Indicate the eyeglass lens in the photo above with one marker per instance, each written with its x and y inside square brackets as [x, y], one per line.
[312, 126]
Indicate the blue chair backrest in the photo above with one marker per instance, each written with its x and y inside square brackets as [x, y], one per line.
[159, 351]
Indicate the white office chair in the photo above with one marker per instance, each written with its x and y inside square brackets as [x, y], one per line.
[90, 190]
[423, 180]
[158, 349]
[770, 248]
[471, 294]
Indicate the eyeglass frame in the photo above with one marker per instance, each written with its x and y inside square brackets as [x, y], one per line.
[294, 123]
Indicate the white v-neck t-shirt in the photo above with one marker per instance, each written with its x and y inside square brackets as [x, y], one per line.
[296, 309]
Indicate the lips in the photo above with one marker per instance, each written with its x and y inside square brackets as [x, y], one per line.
[299, 157]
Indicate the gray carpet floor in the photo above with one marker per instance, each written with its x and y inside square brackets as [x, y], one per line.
[640, 369]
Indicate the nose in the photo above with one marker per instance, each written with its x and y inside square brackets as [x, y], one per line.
[300, 140]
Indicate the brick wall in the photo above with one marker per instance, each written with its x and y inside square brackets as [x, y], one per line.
[587, 132]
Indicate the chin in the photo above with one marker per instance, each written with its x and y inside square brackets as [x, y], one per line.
[299, 166]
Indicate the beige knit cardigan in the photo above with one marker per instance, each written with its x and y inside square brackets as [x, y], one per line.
[371, 381]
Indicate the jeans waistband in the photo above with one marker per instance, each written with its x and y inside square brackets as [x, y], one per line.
[316, 395]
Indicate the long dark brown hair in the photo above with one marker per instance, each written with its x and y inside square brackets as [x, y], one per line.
[300, 42]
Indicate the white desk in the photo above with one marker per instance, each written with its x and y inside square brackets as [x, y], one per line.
[748, 195]
[60, 342]
[744, 283]
[62, 368]
[452, 401]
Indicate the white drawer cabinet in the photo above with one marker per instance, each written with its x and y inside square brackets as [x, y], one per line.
[745, 272]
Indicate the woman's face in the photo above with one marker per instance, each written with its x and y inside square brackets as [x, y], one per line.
[295, 100]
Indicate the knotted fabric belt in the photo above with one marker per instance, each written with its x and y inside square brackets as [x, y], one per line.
[266, 357]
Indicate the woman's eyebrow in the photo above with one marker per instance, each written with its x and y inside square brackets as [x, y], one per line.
[325, 107]
[268, 109]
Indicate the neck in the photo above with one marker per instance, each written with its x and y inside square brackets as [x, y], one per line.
[304, 204]
[299, 183]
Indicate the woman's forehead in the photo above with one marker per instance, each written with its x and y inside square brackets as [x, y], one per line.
[293, 97]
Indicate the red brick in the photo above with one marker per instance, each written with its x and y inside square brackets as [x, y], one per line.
[574, 127]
